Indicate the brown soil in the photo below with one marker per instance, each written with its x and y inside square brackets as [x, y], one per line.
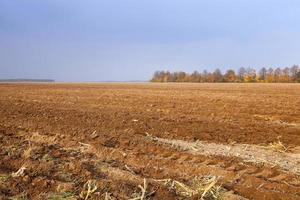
[66, 135]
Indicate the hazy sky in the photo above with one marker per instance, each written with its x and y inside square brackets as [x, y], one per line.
[99, 40]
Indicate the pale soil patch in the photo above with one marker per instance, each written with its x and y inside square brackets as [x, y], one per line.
[249, 153]
[274, 120]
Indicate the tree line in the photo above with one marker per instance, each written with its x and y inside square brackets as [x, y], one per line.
[263, 75]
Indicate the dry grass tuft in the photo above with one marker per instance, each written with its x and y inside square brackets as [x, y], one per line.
[62, 196]
[143, 194]
[204, 188]
[4, 177]
[151, 137]
[277, 146]
[22, 196]
[88, 188]
[18, 173]
[46, 158]
[27, 153]
[108, 197]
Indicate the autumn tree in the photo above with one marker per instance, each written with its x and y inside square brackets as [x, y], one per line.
[262, 74]
[217, 76]
[204, 76]
[298, 77]
[250, 75]
[195, 77]
[286, 75]
[181, 77]
[294, 72]
[158, 76]
[230, 76]
[270, 75]
[241, 73]
[277, 75]
[167, 76]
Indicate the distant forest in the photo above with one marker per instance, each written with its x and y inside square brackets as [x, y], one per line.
[27, 80]
[248, 75]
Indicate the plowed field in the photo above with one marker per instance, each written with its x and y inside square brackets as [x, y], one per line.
[149, 141]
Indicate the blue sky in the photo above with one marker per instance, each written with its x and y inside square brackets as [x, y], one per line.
[123, 40]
